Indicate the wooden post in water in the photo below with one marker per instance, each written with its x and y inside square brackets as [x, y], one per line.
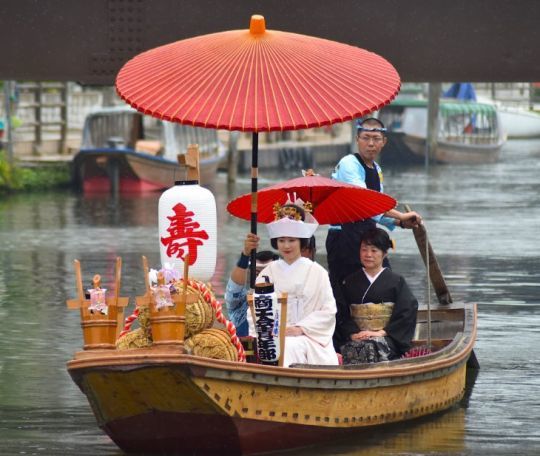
[432, 121]
[8, 133]
[232, 156]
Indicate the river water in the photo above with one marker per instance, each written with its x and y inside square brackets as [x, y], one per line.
[482, 222]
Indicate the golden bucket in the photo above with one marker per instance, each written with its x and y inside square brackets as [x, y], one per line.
[370, 316]
[169, 323]
[99, 331]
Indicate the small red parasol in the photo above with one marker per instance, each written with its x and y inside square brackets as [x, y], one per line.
[333, 202]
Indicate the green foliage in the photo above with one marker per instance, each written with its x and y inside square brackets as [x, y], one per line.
[15, 178]
[9, 176]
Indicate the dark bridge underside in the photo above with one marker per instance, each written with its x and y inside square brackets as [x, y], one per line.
[426, 40]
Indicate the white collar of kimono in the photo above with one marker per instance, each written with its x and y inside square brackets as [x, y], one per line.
[286, 227]
[289, 267]
[373, 278]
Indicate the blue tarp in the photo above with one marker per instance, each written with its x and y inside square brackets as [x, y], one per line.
[461, 91]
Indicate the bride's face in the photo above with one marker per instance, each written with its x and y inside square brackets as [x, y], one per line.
[289, 248]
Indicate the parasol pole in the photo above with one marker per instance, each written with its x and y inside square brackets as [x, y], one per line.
[254, 175]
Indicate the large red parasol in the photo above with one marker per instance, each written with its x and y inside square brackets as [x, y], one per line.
[257, 80]
[333, 202]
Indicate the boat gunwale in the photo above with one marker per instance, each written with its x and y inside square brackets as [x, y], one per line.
[460, 349]
[133, 153]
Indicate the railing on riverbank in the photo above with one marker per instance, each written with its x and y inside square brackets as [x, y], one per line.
[49, 116]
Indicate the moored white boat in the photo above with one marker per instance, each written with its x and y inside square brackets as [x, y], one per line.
[124, 151]
[519, 123]
[469, 132]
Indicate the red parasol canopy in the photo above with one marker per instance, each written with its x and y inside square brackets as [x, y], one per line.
[333, 202]
[257, 80]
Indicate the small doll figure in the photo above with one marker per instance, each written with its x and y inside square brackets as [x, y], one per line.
[98, 301]
[162, 293]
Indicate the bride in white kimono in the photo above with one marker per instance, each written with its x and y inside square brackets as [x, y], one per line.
[311, 307]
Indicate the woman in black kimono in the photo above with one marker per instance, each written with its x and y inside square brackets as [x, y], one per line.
[384, 319]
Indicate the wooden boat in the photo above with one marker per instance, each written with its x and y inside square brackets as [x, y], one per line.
[162, 400]
[469, 132]
[124, 151]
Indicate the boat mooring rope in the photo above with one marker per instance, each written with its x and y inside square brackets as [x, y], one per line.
[129, 321]
[229, 325]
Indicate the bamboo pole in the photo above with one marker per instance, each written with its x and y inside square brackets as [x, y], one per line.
[433, 121]
[79, 285]
[78, 278]
[119, 308]
[186, 277]
[146, 278]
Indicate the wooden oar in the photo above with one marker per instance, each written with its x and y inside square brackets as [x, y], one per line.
[437, 279]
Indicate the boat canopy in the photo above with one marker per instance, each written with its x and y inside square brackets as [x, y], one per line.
[448, 106]
[451, 108]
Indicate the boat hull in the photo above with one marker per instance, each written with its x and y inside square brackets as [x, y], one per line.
[160, 400]
[402, 148]
[200, 415]
[518, 123]
[104, 170]
[456, 153]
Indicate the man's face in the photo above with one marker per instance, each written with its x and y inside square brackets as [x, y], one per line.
[370, 144]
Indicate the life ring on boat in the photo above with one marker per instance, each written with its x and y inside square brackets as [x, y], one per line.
[209, 297]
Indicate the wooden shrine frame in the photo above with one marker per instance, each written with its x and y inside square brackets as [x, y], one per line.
[100, 331]
[169, 323]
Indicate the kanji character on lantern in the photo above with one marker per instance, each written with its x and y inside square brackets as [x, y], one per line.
[183, 228]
